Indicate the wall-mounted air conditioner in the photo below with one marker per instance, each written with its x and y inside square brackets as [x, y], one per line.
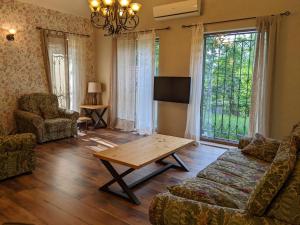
[176, 10]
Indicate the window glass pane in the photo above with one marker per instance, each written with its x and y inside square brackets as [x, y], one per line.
[228, 72]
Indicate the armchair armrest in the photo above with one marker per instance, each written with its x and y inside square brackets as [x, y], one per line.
[29, 117]
[68, 114]
[18, 142]
[167, 209]
[244, 141]
[30, 123]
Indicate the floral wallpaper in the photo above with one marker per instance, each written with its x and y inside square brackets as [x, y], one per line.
[21, 62]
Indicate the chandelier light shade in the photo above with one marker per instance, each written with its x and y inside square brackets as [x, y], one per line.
[114, 16]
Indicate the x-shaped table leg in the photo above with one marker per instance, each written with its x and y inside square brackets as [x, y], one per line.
[119, 179]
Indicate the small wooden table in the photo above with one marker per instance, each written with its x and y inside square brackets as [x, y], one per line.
[137, 154]
[98, 111]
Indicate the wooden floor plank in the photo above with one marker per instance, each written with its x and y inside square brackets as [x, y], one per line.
[64, 187]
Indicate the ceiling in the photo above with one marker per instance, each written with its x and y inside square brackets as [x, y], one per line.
[75, 7]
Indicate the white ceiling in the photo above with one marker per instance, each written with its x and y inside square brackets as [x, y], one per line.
[75, 7]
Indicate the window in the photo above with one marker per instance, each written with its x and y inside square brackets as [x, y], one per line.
[60, 87]
[227, 85]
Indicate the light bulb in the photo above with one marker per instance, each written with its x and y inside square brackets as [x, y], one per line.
[131, 12]
[135, 6]
[104, 11]
[12, 31]
[95, 3]
[108, 2]
[121, 12]
[124, 3]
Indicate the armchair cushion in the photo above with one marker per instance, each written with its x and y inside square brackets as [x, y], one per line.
[58, 125]
[29, 103]
[49, 107]
[17, 142]
[275, 177]
[64, 113]
[262, 148]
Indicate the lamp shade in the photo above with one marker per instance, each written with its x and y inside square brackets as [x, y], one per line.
[94, 87]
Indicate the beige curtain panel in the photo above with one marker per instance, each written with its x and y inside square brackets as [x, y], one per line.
[44, 43]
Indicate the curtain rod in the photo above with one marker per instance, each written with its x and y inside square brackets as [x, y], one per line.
[286, 13]
[142, 31]
[84, 35]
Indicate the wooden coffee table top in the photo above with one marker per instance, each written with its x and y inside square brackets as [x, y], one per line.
[139, 153]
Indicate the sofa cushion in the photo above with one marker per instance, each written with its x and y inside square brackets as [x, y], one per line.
[49, 107]
[207, 191]
[244, 141]
[296, 134]
[274, 178]
[237, 157]
[233, 175]
[2, 131]
[286, 205]
[262, 148]
[58, 125]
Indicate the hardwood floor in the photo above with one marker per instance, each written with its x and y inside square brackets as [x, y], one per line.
[64, 187]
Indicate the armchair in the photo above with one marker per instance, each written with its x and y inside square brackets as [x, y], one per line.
[16, 155]
[39, 114]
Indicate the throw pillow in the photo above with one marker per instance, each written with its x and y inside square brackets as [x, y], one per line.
[296, 134]
[275, 177]
[262, 148]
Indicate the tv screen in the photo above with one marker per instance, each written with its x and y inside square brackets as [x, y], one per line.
[172, 89]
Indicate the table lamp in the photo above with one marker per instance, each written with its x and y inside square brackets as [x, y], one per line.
[94, 88]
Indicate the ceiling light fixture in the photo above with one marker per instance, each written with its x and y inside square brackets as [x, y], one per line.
[114, 16]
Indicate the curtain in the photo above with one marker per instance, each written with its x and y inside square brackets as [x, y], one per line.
[58, 61]
[144, 123]
[267, 38]
[77, 56]
[44, 42]
[126, 82]
[112, 118]
[196, 63]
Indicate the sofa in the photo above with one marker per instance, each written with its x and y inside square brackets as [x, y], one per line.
[16, 154]
[237, 189]
[40, 114]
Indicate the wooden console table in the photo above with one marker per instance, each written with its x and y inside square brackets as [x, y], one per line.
[96, 113]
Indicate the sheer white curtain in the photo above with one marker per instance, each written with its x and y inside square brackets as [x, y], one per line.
[56, 48]
[193, 128]
[126, 82]
[144, 123]
[77, 47]
[267, 37]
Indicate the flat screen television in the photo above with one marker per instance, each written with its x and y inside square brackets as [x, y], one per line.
[172, 89]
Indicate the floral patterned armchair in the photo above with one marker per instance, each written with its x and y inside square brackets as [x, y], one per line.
[39, 114]
[16, 154]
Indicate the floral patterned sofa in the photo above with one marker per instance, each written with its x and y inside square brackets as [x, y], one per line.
[39, 114]
[16, 154]
[237, 189]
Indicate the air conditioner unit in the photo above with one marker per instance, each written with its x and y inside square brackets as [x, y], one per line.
[176, 10]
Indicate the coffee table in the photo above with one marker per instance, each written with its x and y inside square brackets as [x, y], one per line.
[137, 154]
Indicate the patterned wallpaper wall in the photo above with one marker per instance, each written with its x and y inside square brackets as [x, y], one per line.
[21, 63]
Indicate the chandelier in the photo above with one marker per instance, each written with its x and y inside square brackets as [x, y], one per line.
[114, 16]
